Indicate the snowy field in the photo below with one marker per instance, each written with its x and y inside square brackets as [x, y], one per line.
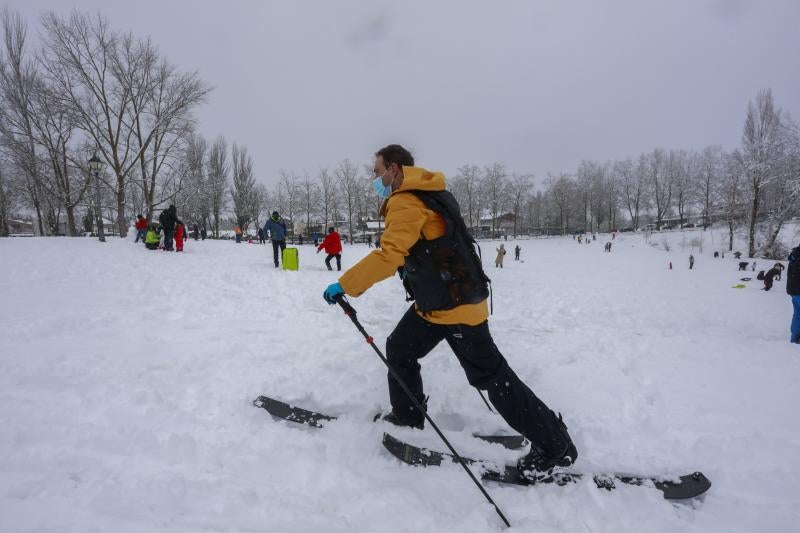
[127, 376]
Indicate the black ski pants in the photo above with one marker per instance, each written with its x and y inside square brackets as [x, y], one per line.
[486, 369]
[275, 246]
[338, 261]
[168, 236]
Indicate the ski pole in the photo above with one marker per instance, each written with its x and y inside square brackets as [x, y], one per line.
[351, 313]
[484, 401]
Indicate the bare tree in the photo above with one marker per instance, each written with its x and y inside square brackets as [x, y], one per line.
[680, 169]
[5, 202]
[217, 168]
[466, 188]
[309, 199]
[632, 186]
[243, 186]
[520, 187]
[289, 197]
[730, 194]
[198, 197]
[494, 187]
[54, 130]
[561, 191]
[709, 171]
[782, 193]
[349, 190]
[119, 91]
[762, 147]
[660, 184]
[327, 191]
[18, 77]
[260, 204]
[160, 113]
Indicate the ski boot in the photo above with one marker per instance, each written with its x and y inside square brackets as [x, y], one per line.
[413, 419]
[538, 466]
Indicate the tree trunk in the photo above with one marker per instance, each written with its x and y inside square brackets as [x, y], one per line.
[751, 245]
[101, 234]
[730, 235]
[121, 223]
[72, 230]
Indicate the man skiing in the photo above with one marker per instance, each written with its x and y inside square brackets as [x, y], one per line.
[332, 244]
[426, 236]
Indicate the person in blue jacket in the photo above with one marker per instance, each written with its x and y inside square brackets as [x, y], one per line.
[277, 232]
[793, 290]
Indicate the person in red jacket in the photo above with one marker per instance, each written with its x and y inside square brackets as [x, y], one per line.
[180, 235]
[141, 227]
[333, 247]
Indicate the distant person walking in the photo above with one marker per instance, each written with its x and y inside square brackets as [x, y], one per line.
[517, 249]
[141, 228]
[195, 232]
[501, 253]
[238, 231]
[793, 290]
[332, 243]
[691, 261]
[276, 228]
[167, 219]
[261, 239]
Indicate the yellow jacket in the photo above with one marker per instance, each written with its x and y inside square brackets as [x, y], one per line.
[407, 218]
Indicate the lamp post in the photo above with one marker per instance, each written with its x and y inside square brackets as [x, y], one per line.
[95, 166]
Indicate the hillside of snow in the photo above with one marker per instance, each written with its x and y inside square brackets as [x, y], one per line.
[127, 376]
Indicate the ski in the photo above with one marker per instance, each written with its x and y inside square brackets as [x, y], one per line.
[682, 488]
[314, 419]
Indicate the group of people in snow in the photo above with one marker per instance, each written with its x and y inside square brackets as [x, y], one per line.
[169, 229]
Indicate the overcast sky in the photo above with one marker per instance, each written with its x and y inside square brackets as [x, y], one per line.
[537, 85]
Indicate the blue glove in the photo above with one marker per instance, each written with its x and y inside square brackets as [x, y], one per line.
[332, 292]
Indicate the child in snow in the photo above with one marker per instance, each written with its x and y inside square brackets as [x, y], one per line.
[691, 261]
[333, 247]
[180, 235]
[501, 252]
[152, 238]
[516, 252]
[141, 227]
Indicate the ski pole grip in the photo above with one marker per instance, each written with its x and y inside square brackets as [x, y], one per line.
[345, 305]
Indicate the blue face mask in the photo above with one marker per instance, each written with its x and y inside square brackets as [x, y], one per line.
[383, 191]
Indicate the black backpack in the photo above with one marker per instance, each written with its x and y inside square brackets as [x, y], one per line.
[445, 272]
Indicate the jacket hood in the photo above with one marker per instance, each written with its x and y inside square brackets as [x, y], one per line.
[420, 179]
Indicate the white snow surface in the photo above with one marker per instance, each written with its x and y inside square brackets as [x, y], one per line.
[127, 376]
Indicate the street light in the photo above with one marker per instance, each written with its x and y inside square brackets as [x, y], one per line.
[95, 166]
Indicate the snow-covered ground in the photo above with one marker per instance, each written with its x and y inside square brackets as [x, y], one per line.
[126, 381]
